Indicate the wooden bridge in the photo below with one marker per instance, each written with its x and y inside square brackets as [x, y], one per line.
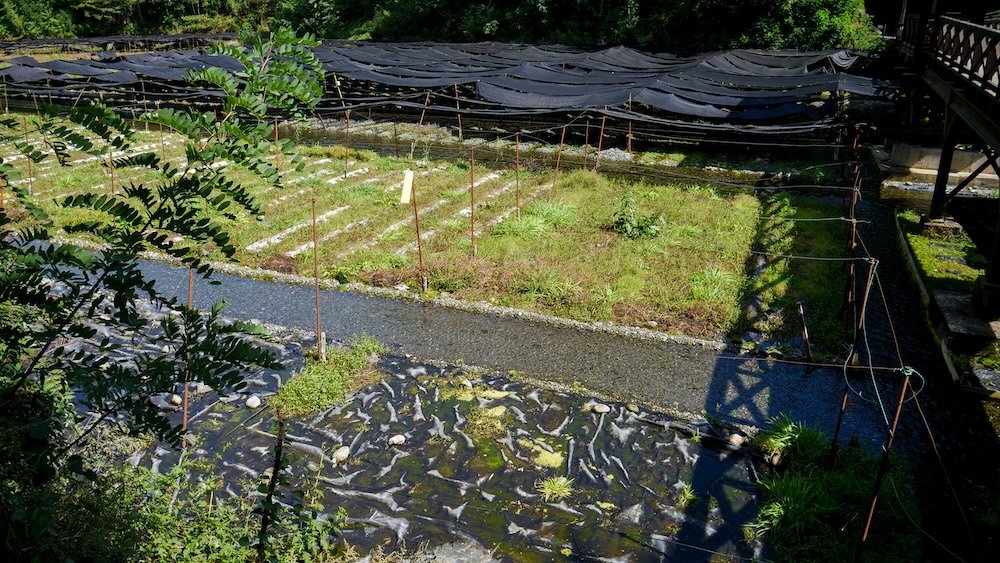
[959, 61]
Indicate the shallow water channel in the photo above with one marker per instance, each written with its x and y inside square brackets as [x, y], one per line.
[645, 486]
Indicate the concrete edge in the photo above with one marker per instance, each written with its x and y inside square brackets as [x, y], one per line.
[446, 302]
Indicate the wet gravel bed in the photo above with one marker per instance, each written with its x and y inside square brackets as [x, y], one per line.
[409, 462]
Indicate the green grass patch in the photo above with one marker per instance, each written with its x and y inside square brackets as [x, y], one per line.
[806, 228]
[815, 504]
[949, 261]
[322, 384]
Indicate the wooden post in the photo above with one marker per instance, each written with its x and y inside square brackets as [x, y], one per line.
[6, 105]
[320, 338]
[517, 172]
[38, 112]
[629, 137]
[600, 143]
[472, 200]
[424, 282]
[427, 102]
[586, 141]
[458, 107]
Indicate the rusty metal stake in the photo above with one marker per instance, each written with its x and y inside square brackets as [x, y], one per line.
[883, 467]
[854, 355]
[805, 331]
[423, 113]
[600, 143]
[517, 172]
[395, 137]
[424, 283]
[187, 366]
[320, 339]
[586, 141]
[457, 107]
[347, 140]
[472, 200]
[24, 128]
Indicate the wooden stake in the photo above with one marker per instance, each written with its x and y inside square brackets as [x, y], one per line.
[472, 200]
[320, 339]
[562, 140]
[629, 137]
[6, 105]
[457, 107]
[517, 172]
[600, 143]
[420, 245]
[427, 102]
[586, 141]
[277, 150]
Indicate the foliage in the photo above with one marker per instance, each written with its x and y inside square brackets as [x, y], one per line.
[631, 224]
[945, 261]
[71, 316]
[771, 24]
[815, 499]
[322, 384]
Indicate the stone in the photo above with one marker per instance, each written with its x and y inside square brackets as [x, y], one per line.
[600, 408]
[466, 383]
[199, 388]
[175, 400]
[342, 453]
[397, 440]
[632, 407]
[165, 349]
[736, 440]
[253, 402]
[652, 324]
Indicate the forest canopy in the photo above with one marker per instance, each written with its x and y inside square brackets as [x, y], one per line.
[688, 24]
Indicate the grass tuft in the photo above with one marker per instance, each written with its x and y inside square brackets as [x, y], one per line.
[323, 384]
[816, 500]
[554, 489]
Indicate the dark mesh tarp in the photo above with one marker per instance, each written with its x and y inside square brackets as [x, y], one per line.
[727, 87]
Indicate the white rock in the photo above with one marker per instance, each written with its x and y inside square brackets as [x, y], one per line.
[253, 402]
[466, 383]
[600, 408]
[342, 454]
[736, 440]
[165, 349]
[397, 440]
[175, 399]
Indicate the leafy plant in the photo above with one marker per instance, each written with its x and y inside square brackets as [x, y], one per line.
[631, 224]
[74, 313]
[685, 497]
[554, 489]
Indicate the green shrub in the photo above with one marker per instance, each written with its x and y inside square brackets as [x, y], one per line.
[631, 224]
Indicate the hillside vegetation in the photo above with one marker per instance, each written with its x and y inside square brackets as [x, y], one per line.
[694, 24]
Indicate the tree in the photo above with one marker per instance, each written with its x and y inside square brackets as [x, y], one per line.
[67, 312]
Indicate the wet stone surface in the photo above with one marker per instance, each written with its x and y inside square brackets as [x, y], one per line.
[477, 446]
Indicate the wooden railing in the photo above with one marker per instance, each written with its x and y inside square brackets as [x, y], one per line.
[972, 51]
[992, 20]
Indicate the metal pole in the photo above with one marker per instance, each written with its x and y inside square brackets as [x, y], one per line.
[517, 172]
[586, 141]
[854, 355]
[347, 140]
[883, 467]
[187, 366]
[395, 137]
